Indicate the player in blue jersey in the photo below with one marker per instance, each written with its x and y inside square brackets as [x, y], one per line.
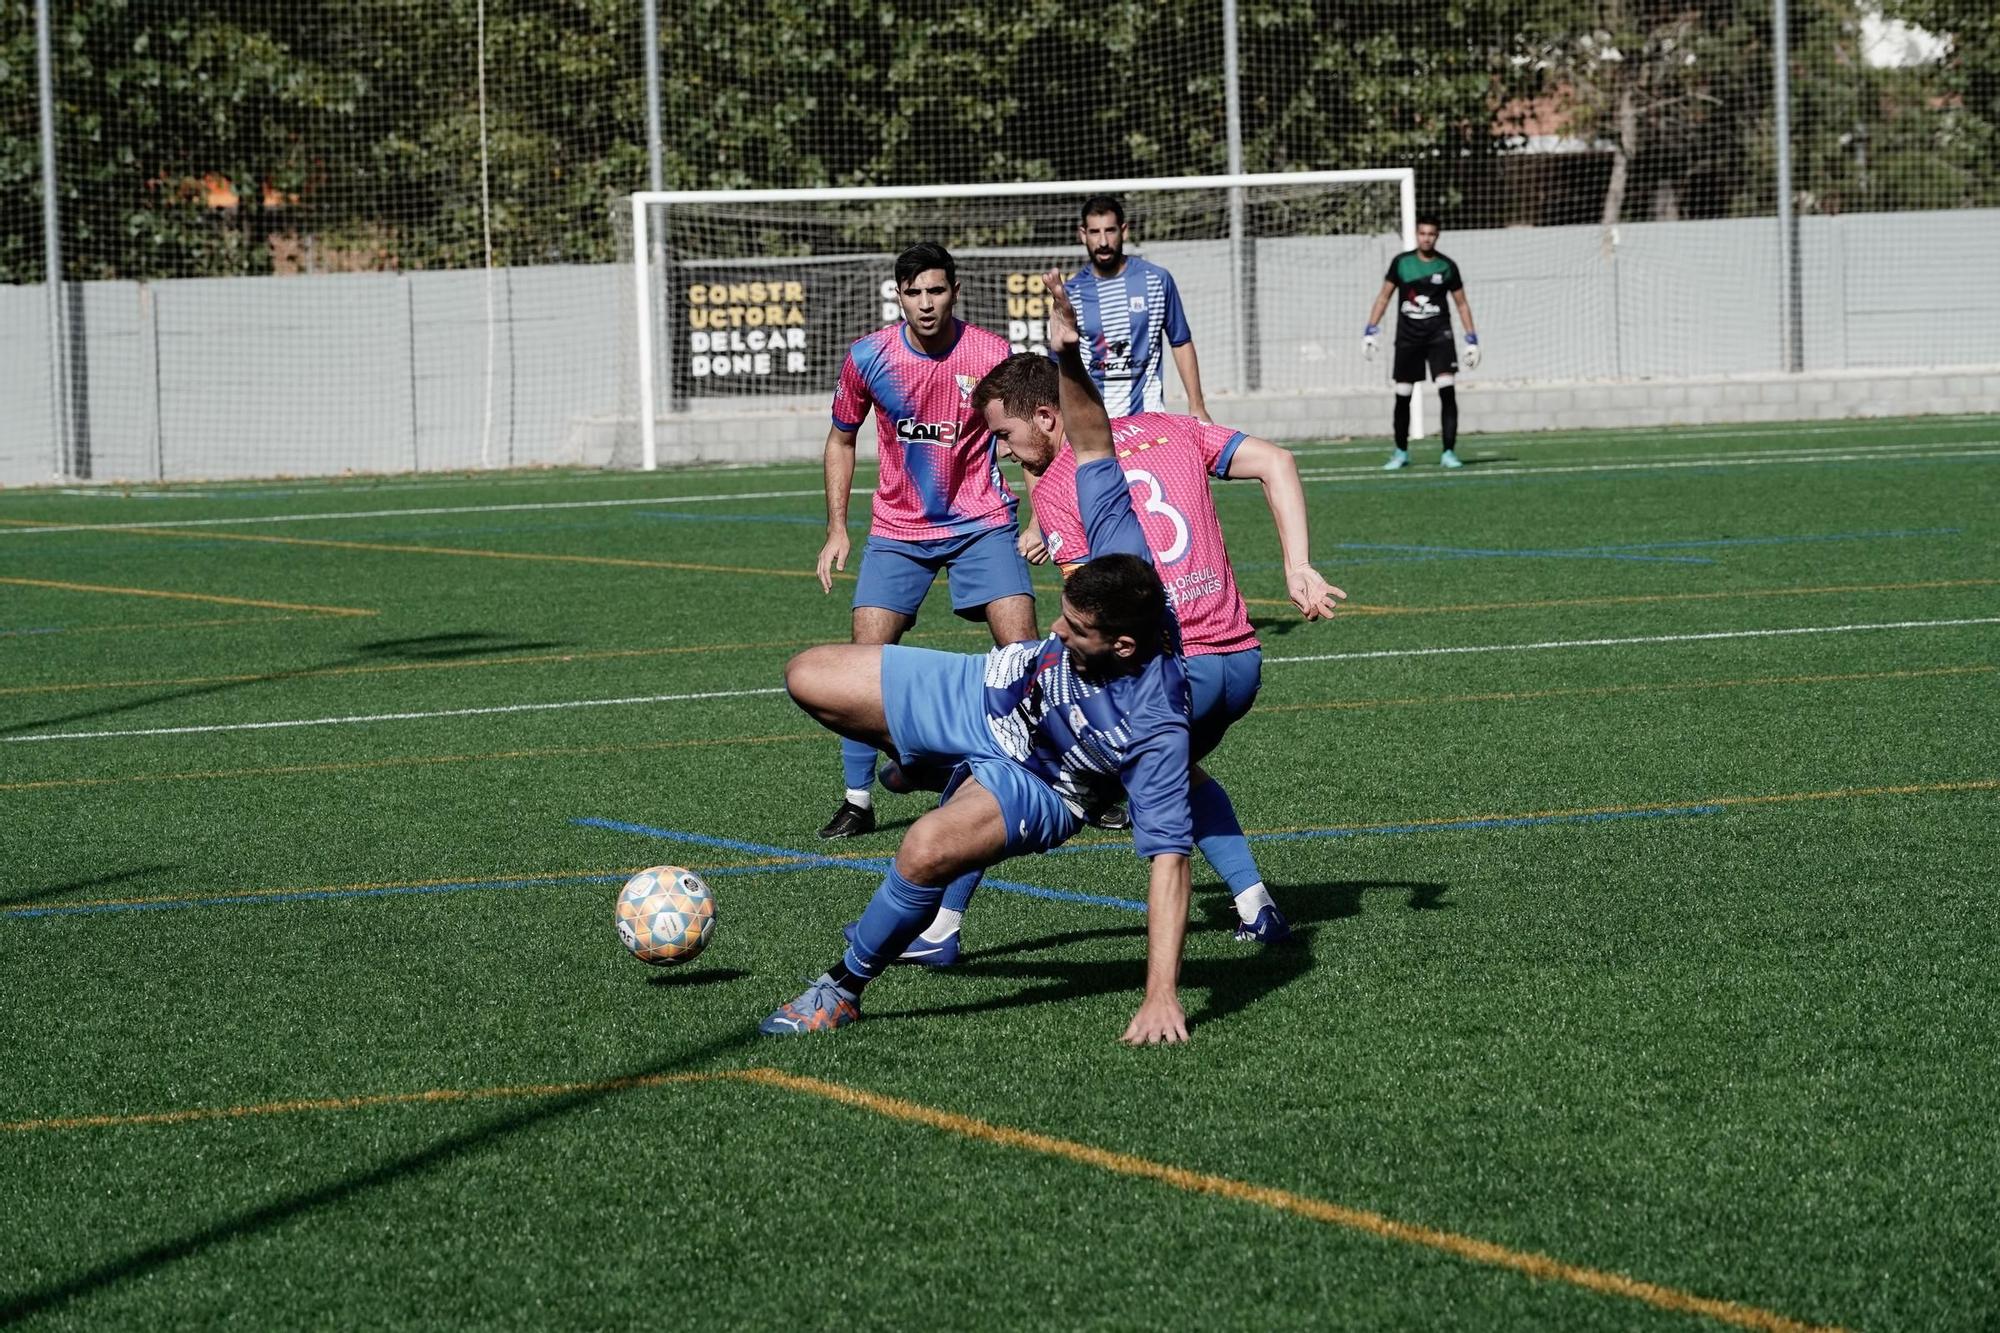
[940, 503]
[1035, 734]
[1129, 311]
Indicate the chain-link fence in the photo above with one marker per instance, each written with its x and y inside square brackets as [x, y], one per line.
[380, 234]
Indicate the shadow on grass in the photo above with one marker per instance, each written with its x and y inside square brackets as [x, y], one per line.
[80, 885]
[713, 976]
[151, 1259]
[427, 648]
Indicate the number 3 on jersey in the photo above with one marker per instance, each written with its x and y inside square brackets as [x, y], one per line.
[1155, 502]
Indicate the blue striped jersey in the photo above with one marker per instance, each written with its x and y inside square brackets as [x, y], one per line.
[1128, 321]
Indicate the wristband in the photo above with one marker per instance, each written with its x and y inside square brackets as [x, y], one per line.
[1471, 339]
[1371, 330]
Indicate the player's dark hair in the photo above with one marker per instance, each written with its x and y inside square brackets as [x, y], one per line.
[1100, 203]
[1021, 383]
[922, 258]
[1429, 220]
[1123, 594]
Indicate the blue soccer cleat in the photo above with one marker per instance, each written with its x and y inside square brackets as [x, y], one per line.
[920, 951]
[822, 1008]
[1450, 459]
[1269, 928]
[1398, 459]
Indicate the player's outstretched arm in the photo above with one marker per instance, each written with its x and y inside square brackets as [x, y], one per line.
[1278, 471]
[1160, 1019]
[1084, 418]
[839, 469]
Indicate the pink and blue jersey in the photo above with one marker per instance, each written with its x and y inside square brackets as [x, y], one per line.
[1167, 460]
[1128, 321]
[939, 476]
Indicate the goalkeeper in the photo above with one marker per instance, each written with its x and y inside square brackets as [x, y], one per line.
[1423, 337]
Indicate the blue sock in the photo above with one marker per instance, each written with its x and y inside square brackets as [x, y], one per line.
[857, 764]
[1220, 837]
[897, 914]
[958, 893]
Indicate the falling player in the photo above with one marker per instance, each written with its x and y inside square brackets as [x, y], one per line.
[1423, 337]
[1167, 461]
[940, 502]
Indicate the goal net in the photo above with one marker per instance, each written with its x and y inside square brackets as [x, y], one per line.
[741, 300]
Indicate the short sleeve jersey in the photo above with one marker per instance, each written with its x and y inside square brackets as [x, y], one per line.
[1423, 311]
[1091, 738]
[1128, 321]
[939, 476]
[1167, 461]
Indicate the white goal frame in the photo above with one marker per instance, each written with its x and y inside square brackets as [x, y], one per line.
[1404, 177]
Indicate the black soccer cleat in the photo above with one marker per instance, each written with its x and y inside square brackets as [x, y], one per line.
[1112, 819]
[850, 821]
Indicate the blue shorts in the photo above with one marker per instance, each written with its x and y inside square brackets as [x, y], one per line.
[1221, 686]
[982, 567]
[936, 707]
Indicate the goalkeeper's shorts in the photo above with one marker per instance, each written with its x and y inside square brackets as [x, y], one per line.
[1438, 355]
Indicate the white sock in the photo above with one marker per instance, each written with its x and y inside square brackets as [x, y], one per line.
[862, 797]
[943, 926]
[1252, 901]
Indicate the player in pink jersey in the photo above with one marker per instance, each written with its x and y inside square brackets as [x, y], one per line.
[940, 502]
[1167, 462]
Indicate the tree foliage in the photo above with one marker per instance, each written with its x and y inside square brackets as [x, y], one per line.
[236, 136]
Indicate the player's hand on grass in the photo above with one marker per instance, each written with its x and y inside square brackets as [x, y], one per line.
[1315, 598]
[1062, 315]
[1159, 1022]
[832, 556]
[1031, 546]
[1368, 336]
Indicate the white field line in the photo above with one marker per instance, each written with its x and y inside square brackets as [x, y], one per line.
[744, 694]
[1747, 431]
[1649, 638]
[1762, 458]
[393, 717]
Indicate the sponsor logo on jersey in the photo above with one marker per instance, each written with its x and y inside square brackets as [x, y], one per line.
[909, 430]
[1055, 543]
[1437, 279]
[966, 384]
[1135, 304]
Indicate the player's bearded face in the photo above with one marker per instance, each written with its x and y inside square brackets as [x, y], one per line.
[1104, 236]
[927, 300]
[1028, 440]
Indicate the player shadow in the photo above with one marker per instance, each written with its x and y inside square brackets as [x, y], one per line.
[429, 647]
[457, 643]
[284, 1212]
[1487, 461]
[1307, 906]
[711, 976]
[81, 885]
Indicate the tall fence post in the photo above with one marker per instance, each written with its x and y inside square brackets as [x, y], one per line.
[1242, 262]
[52, 268]
[1792, 319]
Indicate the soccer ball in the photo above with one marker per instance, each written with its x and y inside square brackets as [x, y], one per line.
[665, 915]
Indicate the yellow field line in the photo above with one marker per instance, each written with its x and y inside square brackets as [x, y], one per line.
[1585, 691]
[1659, 807]
[529, 659]
[191, 597]
[1638, 599]
[410, 761]
[1540, 1267]
[1527, 1262]
[134, 626]
[405, 548]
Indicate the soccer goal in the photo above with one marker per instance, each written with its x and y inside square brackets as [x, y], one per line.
[747, 298]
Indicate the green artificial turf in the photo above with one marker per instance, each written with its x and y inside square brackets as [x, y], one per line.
[1664, 953]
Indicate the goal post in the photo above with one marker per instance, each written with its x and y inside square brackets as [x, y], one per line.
[755, 293]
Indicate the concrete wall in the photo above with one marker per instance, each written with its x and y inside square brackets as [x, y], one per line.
[389, 372]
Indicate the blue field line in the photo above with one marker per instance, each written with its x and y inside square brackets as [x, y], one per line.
[1395, 550]
[875, 866]
[854, 523]
[311, 895]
